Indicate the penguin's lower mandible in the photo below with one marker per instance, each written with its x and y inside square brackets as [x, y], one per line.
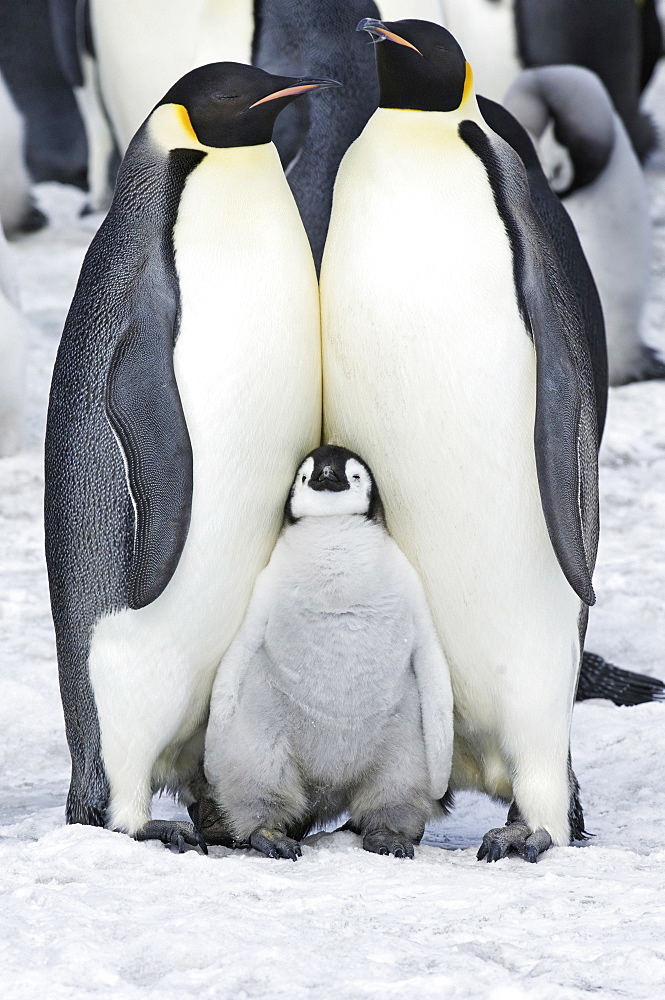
[455, 361]
[334, 695]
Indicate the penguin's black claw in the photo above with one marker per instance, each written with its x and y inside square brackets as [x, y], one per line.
[211, 826]
[172, 834]
[275, 844]
[388, 842]
[515, 838]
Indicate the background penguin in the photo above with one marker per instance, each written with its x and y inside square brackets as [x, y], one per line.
[186, 386]
[318, 38]
[17, 208]
[621, 41]
[588, 158]
[134, 51]
[72, 37]
[335, 694]
[55, 145]
[13, 334]
[432, 305]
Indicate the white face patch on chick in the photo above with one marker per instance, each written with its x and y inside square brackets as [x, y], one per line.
[334, 490]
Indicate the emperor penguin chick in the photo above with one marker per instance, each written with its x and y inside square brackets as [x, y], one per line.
[335, 694]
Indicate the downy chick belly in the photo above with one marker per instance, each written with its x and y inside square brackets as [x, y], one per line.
[247, 365]
[430, 375]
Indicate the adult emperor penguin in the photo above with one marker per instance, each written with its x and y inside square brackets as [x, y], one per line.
[334, 695]
[621, 41]
[588, 157]
[455, 361]
[186, 388]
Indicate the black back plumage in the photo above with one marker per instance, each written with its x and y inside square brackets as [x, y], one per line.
[310, 37]
[55, 144]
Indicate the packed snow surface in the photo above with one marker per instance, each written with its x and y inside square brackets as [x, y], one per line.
[89, 913]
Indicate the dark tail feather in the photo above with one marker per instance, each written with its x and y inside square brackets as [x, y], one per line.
[600, 679]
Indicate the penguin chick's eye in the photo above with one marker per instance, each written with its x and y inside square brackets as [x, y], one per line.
[357, 477]
[304, 479]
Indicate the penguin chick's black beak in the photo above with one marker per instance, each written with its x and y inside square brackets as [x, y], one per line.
[329, 480]
[380, 33]
[301, 87]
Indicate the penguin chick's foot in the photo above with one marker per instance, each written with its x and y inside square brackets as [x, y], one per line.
[387, 842]
[211, 824]
[275, 844]
[514, 837]
[173, 834]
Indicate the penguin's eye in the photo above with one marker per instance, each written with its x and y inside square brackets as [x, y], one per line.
[227, 97]
[304, 479]
[357, 477]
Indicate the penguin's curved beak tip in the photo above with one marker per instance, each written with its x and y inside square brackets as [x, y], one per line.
[319, 84]
[371, 25]
[380, 33]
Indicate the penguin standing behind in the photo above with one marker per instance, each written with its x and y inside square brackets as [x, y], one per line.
[588, 158]
[620, 40]
[186, 386]
[335, 694]
[455, 360]
[13, 330]
[17, 209]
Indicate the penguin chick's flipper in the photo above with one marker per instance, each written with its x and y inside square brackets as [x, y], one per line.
[173, 834]
[600, 679]
[514, 838]
[145, 411]
[565, 429]
[275, 844]
[388, 842]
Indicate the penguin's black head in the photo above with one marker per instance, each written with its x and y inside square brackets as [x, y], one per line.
[421, 67]
[230, 104]
[330, 481]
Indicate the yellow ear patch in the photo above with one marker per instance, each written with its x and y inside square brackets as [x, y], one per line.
[171, 128]
[468, 85]
[183, 118]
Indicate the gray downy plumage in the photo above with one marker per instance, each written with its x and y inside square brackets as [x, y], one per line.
[335, 693]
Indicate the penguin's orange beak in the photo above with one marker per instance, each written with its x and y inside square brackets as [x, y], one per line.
[301, 87]
[380, 32]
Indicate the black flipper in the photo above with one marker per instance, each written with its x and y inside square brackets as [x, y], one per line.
[144, 407]
[566, 243]
[565, 429]
[600, 679]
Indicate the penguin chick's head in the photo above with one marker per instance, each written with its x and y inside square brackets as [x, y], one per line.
[333, 481]
[230, 104]
[421, 67]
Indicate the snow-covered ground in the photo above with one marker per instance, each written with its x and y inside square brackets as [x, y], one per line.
[89, 913]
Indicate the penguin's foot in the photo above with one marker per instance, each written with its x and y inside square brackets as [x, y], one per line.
[275, 844]
[211, 824]
[173, 834]
[514, 838]
[646, 366]
[387, 842]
